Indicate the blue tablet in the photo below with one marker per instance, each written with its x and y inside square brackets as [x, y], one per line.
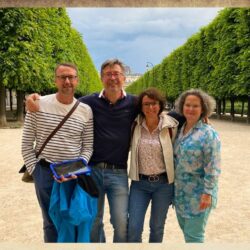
[69, 167]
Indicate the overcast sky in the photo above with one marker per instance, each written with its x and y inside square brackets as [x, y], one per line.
[137, 35]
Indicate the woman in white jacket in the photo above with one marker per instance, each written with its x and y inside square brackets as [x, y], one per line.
[151, 166]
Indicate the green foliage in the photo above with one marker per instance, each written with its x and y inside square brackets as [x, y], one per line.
[89, 80]
[33, 41]
[216, 59]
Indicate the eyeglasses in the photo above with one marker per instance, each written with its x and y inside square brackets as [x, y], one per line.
[64, 78]
[115, 74]
[148, 104]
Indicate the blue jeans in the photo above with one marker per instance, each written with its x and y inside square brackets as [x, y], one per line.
[141, 193]
[194, 228]
[43, 180]
[113, 183]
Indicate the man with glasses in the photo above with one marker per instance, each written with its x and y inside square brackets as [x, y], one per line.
[73, 140]
[114, 112]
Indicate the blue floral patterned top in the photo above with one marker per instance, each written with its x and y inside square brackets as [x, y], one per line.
[197, 167]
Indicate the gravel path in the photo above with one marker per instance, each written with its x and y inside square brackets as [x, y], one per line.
[20, 218]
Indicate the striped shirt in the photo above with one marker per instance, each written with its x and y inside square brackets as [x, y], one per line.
[74, 139]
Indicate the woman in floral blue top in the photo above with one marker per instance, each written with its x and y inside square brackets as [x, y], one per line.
[197, 164]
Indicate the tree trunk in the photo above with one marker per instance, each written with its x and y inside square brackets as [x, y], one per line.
[218, 108]
[3, 121]
[242, 108]
[223, 106]
[248, 109]
[20, 106]
[232, 109]
[11, 103]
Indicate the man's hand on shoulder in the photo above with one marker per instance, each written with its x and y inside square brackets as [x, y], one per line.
[206, 120]
[31, 102]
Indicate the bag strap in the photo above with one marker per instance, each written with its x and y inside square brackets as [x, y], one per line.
[57, 128]
[170, 133]
[133, 128]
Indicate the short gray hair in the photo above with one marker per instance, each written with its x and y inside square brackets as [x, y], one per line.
[208, 103]
[112, 62]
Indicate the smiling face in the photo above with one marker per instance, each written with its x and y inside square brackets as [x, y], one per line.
[113, 79]
[66, 80]
[150, 107]
[192, 108]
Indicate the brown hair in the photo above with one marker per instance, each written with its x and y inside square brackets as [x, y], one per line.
[154, 94]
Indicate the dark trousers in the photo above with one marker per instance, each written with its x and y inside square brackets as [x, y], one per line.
[43, 180]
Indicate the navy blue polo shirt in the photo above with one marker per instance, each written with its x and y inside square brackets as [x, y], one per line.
[112, 128]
